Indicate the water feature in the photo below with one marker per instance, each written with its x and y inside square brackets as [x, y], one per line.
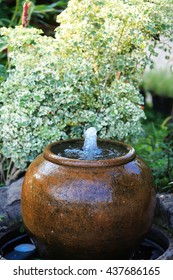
[90, 149]
[89, 193]
[157, 244]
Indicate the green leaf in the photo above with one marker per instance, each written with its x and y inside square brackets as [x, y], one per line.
[42, 9]
[2, 72]
[3, 44]
[48, 8]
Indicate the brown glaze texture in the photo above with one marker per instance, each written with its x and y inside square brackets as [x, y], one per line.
[73, 211]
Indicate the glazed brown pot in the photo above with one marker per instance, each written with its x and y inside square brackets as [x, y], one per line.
[81, 209]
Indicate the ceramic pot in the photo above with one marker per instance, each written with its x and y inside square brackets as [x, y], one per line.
[81, 209]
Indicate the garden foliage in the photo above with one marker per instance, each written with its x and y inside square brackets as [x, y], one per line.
[155, 146]
[88, 75]
[40, 13]
[159, 82]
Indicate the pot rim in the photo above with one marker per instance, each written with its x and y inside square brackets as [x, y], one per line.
[50, 156]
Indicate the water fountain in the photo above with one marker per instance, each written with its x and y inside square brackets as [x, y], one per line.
[88, 201]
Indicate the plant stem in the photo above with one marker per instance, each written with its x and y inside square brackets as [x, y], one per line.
[2, 173]
[15, 13]
[9, 169]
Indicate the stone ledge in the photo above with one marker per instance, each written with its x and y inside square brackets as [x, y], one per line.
[10, 213]
[164, 211]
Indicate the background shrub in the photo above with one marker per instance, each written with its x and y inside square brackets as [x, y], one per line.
[87, 76]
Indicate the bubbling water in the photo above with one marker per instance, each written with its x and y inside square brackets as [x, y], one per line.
[90, 150]
[90, 143]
